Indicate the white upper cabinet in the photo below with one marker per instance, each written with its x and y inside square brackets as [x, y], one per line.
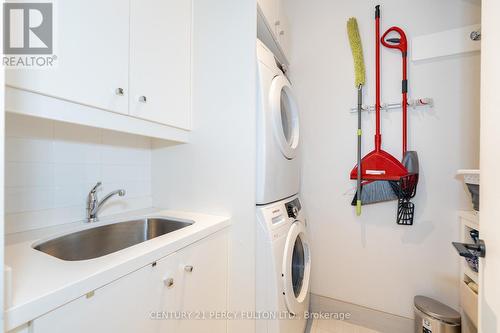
[130, 57]
[282, 28]
[92, 48]
[277, 21]
[160, 61]
[270, 10]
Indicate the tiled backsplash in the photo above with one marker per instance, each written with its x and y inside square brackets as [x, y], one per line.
[51, 166]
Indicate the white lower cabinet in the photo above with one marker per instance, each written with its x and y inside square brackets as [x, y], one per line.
[204, 281]
[178, 293]
[124, 305]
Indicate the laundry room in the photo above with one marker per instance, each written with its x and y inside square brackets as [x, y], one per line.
[268, 166]
[371, 260]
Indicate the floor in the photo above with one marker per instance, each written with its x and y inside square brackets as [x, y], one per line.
[337, 326]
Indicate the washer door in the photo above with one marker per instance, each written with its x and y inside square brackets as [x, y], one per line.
[296, 269]
[285, 116]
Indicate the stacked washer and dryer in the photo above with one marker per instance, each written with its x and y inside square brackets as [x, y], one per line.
[283, 262]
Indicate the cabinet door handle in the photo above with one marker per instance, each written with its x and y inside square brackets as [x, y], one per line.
[120, 91]
[475, 35]
[143, 99]
[277, 23]
[282, 32]
[188, 268]
[169, 282]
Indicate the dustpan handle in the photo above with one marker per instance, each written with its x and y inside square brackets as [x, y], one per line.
[400, 43]
[405, 103]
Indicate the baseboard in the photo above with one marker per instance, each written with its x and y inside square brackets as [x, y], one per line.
[309, 326]
[362, 316]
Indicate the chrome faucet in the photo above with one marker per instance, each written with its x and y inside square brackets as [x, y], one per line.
[94, 205]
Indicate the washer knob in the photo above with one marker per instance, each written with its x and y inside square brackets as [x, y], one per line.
[293, 211]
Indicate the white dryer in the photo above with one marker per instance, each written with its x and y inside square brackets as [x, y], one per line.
[278, 173]
[283, 267]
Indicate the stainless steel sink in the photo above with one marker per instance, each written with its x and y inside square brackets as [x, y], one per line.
[99, 241]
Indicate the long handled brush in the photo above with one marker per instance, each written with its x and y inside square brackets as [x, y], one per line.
[359, 81]
[406, 187]
[379, 167]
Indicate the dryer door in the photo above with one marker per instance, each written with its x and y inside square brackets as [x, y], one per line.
[285, 116]
[296, 269]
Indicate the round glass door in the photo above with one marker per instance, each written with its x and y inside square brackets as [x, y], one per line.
[298, 266]
[285, 116]
[296, 269]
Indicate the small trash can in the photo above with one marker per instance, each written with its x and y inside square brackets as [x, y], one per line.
[432, 316]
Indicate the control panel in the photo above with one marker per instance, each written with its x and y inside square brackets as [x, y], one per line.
[293, 208]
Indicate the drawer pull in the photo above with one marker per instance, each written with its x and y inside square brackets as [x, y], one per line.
[189, 268]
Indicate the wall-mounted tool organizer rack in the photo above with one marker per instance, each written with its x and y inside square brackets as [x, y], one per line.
[412, 104]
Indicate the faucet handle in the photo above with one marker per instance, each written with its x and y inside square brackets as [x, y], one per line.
[94, 189]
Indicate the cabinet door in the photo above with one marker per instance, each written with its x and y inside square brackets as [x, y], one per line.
[204, 289]
[282, 29]
[160, 63]
[92, 48]
[168, 308]
[270, 10]
[125, 305]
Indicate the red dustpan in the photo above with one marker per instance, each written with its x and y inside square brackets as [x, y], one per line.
[379, 165]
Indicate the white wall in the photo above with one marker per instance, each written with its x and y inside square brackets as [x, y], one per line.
[51, 166]
[214, 173]
[370, 260]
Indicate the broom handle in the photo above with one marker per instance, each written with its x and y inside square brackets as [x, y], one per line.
[360, 102]
[378, 136]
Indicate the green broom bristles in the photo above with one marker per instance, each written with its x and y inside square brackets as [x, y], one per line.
[357, 52]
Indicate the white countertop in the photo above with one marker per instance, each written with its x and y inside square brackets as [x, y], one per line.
[41, 283]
